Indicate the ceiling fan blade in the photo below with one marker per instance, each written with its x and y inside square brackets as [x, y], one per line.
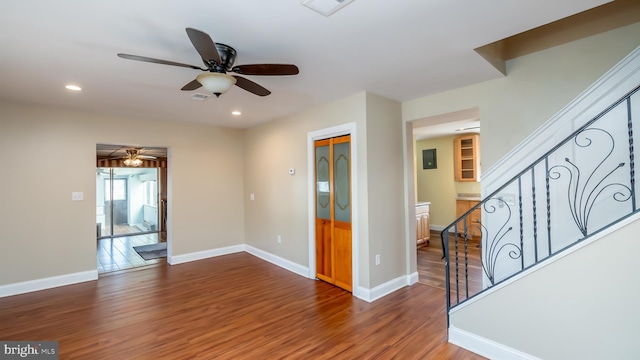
[251, 86]
[266, 69]
[148, 157]
[194, 84]
[204, 45]
[158, 61]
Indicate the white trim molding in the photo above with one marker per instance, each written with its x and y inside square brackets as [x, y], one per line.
[277, 260]
[48, 283]
[412, 278]
[184, 258]
[485, 347]
[382, 290]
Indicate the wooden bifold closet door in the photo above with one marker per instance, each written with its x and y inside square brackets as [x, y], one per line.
[333, 211]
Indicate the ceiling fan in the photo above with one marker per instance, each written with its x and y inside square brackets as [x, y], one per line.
[134, 158]
[219, 59]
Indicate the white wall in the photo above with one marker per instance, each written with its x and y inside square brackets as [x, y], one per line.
[44, 234]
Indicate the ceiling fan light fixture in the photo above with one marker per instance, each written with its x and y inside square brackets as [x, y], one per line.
[132, 158]
[216, 83]
[135, 162]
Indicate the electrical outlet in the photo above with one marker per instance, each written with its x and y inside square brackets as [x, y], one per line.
[377, 259]
[77, 196]
[279, 239]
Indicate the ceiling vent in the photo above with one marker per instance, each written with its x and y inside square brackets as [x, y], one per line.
[326, 7]
[199, 97]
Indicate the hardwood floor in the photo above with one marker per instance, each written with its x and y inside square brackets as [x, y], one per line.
[229, 307]
[431, 269]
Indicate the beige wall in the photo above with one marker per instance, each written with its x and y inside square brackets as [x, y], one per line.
[281, 200]
[536, 87]
[583, 306]
[437, 185]
[385, 190]
[51, 153]
[281, 206]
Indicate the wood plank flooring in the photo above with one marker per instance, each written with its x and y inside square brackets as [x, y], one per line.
[229, 307]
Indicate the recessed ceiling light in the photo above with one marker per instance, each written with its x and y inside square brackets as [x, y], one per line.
[73, 87]
[236, 113]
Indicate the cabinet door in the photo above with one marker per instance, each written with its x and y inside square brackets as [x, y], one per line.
[423, 228]
[466, 158]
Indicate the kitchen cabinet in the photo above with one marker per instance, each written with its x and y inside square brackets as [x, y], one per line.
[473, 221]
[466, 156]
[423, 227]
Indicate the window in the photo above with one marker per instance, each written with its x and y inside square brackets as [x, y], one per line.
[119, 189]
[150, 193]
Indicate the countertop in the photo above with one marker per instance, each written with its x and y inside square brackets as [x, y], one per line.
[468, 196]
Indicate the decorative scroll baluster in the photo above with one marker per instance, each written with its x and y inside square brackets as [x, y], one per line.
[499, 242]
[584, 180]
[535, 213]
[631, 155]
[464, 227]
[582, 196]
[546, 180]
[466, 268]
[521, 221]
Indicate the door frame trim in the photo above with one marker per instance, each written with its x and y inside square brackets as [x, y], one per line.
[344, 129]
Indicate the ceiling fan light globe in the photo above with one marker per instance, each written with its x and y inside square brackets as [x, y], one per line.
[216, 83]
[135, 162]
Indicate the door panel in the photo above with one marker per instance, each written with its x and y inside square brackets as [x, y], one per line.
[333, 211]
[323, 250]
[342, 263]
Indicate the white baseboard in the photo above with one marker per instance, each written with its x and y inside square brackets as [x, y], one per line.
[412, 278]
[184, 258]
[436, 227]
[485, 347]
[371, 295]
[47, 283]
[276, 260]
[368, 295]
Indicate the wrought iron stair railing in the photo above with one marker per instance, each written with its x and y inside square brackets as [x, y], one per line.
[582, 186]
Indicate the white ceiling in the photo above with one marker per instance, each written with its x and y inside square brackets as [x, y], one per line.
[398, 49]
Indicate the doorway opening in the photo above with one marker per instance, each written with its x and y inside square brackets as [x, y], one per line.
[131, 208]
[439, 187]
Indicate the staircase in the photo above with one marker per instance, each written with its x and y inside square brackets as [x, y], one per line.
[578, 190]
